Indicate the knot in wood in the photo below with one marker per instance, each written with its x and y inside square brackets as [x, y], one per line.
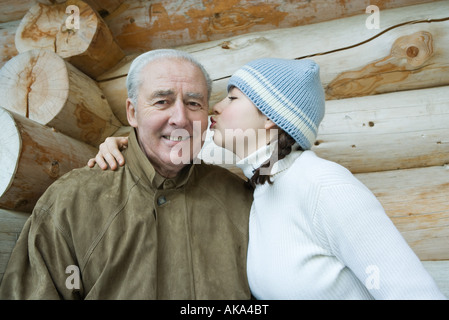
[54, 169]
[225, 45]
[412, 51]
[417, 48]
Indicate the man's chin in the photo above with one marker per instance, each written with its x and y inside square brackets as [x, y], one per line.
[180, 154]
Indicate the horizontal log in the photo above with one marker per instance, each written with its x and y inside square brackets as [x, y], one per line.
[11, 224]
[383, 67]
[398, 130]
[33, 156]
[12, 221]
[439, 270]
[40, 85]
[416, 202]
[104, 7]
[11, 10]
[142, 25]
[407, 57]
[116, 93]
[87, 43]
[411, 56]
[289, 43]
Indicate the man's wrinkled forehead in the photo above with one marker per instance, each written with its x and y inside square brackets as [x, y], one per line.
[163, 80]
[162, 66]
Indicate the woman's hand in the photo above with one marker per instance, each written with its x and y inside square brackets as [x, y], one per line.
[109, 153]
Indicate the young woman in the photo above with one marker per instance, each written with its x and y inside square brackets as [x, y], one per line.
[316, 232]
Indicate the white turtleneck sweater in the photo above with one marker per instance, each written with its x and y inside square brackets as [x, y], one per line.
[319, 233]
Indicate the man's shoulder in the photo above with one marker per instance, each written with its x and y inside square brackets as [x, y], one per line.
[85, 178]
[80, 205]
[82, 188]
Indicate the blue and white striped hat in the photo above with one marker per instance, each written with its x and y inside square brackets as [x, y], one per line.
[288, 92]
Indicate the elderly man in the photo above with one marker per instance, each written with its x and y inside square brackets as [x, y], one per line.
[159, 227]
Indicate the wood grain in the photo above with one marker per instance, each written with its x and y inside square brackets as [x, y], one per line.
[41, 157]
[366, 62]
[40, 85]
[89, 45]
[7, 46]
[140, 25]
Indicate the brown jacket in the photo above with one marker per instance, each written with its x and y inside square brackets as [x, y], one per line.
[132, 234]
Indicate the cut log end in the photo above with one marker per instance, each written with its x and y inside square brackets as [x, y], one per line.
[33, 156]
[41, 86]
[10, 146]
[74, 31]
[35, 85]
[50, 27]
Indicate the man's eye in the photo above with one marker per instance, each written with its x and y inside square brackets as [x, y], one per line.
[194, 105]
[162, 103]
[232, 98]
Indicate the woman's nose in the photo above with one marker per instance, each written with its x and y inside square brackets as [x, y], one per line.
[218, 107]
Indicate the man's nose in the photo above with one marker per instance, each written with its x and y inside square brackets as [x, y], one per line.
[179, 117]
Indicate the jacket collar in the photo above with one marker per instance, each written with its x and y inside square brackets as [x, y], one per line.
[139, 164]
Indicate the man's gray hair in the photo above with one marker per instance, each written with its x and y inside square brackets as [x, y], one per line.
[134, 78]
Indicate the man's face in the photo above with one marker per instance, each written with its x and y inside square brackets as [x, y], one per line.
[171, 113]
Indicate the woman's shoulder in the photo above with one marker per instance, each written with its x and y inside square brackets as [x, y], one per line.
[323, 171]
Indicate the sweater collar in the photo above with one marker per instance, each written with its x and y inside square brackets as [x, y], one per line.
[251, 163]
[142, 167]
[254, 161]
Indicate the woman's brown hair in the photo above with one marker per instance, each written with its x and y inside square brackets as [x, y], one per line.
[283, 148]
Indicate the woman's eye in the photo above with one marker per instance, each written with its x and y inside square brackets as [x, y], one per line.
[232, 98]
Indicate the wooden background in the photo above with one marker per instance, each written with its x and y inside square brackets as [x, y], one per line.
[387, 91]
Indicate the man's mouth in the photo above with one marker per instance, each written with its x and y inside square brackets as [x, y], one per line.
[176, 138]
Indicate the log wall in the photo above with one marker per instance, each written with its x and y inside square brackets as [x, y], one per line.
[387, 89]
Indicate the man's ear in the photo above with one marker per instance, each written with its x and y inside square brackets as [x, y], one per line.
[131, 113]
[270, 124]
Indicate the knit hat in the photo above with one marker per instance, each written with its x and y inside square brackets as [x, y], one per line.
[288, 92]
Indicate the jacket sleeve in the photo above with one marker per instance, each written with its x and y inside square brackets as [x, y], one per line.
[39, 262]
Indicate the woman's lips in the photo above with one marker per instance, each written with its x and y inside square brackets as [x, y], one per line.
[213, 122]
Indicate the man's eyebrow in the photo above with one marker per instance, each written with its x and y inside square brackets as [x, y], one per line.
[162, 93]
[195, 95]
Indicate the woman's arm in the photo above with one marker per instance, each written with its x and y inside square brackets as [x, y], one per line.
[109, 153]
[365, 239]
